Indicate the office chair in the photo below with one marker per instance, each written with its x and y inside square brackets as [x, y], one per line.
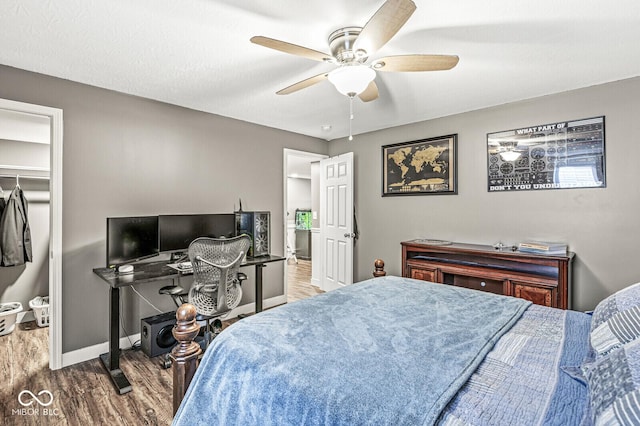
[216, 287]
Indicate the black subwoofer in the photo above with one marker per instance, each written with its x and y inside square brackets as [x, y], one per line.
[156, 336]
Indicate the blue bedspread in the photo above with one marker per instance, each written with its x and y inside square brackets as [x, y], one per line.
[384, 351]
[521, 381]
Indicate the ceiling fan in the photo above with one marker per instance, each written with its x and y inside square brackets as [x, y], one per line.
[351, 48]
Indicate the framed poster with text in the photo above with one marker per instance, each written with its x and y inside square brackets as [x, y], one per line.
[567, 154]
[426, 166]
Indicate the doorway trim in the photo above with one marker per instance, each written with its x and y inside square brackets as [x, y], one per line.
[313, 156]
[55, 222]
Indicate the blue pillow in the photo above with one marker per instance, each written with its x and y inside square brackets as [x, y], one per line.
[614, 386]
[619, 301]
[621, 328]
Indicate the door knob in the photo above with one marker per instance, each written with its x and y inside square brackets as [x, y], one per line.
[349, 235]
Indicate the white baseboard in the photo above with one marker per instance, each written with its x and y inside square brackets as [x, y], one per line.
[92, 352]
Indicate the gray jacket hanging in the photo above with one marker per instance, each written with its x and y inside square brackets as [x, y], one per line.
[3, 204]
[15, 235]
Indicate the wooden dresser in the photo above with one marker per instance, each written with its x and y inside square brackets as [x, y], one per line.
[544, 280]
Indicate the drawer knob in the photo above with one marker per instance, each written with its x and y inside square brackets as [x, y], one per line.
[482, 284]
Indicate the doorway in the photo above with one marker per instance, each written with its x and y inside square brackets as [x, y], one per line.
[301, 230]
[14, 112]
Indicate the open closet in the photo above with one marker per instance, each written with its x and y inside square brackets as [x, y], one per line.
[25, 166]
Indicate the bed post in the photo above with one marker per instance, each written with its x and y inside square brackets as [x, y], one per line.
[379, 268]
[184, 355]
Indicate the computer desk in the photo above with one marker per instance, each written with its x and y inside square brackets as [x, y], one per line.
[148, 272]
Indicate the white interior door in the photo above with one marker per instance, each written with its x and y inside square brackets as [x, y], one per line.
[336, 221]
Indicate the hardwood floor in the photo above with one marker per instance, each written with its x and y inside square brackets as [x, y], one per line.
[83, 393]
[299, 281]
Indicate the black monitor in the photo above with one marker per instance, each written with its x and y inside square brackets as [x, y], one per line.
[177, 231]
[130, 239]
[221, 225]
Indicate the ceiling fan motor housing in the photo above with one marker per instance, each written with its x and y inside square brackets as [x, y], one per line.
[341, 44]
[351, 47]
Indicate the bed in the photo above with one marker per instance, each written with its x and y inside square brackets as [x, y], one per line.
[393, 350]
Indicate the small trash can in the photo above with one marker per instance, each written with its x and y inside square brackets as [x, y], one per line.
[40, 307]
[8, 315]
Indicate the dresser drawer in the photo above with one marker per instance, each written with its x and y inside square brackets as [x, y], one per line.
[482, 284]
[423, 274]
[534, 293]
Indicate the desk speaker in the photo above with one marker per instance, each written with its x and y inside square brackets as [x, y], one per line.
[155, 334]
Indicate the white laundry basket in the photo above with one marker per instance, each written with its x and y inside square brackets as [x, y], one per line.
[8, 315]
[40, 306]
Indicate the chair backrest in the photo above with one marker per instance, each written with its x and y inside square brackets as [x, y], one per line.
[216, 289]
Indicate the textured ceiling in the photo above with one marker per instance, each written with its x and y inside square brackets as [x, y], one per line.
[197, 54]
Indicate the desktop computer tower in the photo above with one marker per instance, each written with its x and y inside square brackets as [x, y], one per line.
[258, 226]
[156, 336]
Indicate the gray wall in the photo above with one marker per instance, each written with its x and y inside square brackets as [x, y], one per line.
[24, 154]
[299, 196]
[131, 156]
[600, 225]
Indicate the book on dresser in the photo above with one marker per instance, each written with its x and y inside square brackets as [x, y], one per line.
[541, 247]
[544, 279]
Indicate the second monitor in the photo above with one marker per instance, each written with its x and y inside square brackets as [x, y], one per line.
[177, 231]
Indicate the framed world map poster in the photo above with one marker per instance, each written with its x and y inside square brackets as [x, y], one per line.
[422, 167]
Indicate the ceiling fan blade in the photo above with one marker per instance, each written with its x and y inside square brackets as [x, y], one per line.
[412, 63]
[370, 93]
[292, 49]
[383, 25]
[303, 84]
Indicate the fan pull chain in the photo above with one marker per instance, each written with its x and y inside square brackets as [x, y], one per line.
[350, 117]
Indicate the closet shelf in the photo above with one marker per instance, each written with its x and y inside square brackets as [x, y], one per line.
[23, 172]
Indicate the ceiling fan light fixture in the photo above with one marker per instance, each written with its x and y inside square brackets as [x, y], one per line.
[351, 80]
